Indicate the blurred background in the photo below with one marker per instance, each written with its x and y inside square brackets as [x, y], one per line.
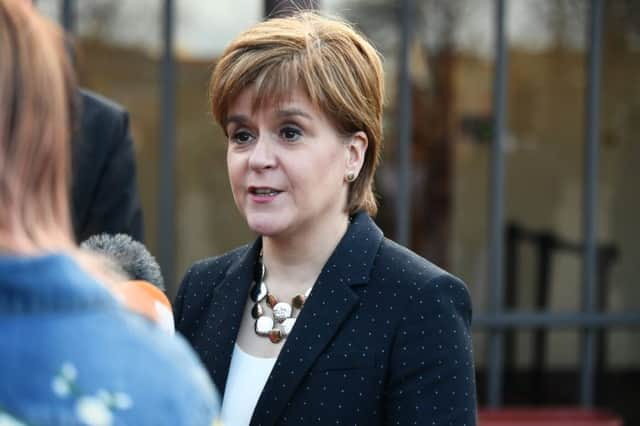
[444, 189]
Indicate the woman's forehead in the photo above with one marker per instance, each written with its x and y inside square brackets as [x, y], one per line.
[250, 100]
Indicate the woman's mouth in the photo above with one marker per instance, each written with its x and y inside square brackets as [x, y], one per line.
[263, 194]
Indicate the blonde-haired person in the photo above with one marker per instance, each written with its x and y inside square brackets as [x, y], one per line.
[70, 353]
[321, 320]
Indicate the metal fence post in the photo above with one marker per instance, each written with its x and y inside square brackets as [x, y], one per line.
[496, 343]
[590, 199]
[68, 16]
[166, 188]
[404, 123]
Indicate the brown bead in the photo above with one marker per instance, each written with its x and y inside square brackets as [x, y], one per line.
[271, 300]
[275, 335]
[298, 301]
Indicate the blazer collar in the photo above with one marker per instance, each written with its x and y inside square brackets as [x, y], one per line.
[225, 312]
[330, 303]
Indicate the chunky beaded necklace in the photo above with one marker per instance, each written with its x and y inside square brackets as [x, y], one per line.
[279, 325]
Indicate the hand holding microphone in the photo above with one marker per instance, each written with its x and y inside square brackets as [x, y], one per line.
[144, 291]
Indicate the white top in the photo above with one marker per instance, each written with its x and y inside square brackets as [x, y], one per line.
[247, 377]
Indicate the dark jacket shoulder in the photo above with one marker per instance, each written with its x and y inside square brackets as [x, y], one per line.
[209, 271]
[201, 278]
[104, 185]
[416, 271]
[95, 104]
[425, 284]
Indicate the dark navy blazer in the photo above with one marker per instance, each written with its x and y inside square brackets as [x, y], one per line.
[104, 188]
[383, 338]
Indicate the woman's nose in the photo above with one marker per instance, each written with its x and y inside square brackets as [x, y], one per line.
[262, 156]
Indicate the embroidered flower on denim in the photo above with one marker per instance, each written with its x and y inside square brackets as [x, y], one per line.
[7, 419]
[63, 382]
[91, 410]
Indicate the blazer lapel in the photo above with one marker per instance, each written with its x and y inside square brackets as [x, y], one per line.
[331, 302]
[225, 313]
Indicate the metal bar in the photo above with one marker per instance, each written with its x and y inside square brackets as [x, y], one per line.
[496, 337]
[405, 134]
[68, 22]
[545, 246]
[590, 198]
[279, 8]
[514, 320]
[512, 259]
[166, 189]
[68, 16]
[606, 257]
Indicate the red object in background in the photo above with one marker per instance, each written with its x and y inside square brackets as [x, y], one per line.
[546, 416]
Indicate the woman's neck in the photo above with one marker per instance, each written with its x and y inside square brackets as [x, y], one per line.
[294, 262]
[18, 242]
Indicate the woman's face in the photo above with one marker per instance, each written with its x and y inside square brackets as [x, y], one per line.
[287, 165]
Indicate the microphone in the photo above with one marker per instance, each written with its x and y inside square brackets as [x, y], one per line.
[143, 292]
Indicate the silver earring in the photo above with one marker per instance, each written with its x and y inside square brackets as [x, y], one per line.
[350, 177]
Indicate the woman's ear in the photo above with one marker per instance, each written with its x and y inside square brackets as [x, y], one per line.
[356, 150]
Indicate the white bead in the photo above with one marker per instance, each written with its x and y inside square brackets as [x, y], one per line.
[264, 324]
[281, 311]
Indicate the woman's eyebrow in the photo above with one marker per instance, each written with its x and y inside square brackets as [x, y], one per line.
[281, 113]
[236, 118]
[289, 112]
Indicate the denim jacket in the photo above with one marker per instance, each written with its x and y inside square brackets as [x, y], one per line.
[71, 355]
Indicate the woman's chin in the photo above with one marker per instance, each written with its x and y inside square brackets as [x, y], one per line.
[265, 226]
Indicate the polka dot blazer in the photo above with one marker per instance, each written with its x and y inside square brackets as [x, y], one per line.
[383, 339]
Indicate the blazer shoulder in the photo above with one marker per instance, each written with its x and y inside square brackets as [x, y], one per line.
[200, 278]
[94, 103]
[214, 267]
[410, 270]
[397, 259]
[104, 127]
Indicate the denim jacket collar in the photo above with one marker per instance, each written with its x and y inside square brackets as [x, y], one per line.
[50, 282]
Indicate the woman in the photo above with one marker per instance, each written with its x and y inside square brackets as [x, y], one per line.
[70, 353]
[321, 320]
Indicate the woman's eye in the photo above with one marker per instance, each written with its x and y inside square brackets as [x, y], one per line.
[241, 137]
[290, 134]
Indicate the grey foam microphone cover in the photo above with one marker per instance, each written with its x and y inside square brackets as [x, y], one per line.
[130, 255]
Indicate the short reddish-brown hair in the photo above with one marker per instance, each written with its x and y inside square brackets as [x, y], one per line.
[337, 68]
